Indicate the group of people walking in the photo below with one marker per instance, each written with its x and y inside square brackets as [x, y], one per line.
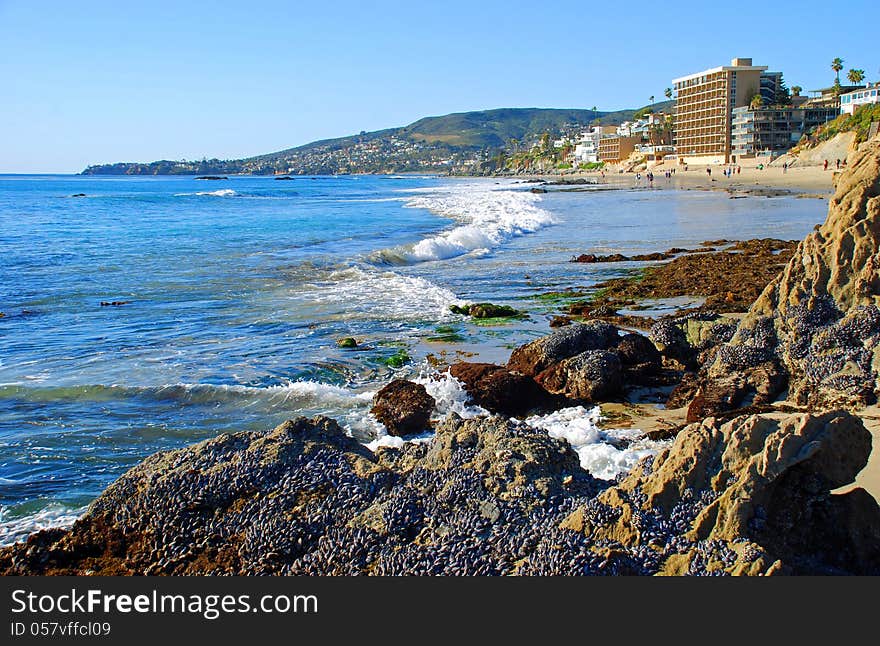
[839, 163]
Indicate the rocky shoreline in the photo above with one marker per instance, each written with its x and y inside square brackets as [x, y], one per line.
[746, 487]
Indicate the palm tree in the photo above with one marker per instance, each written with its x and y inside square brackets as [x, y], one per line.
[796, 90]
[595, 109]
[756, 102]
[856, 76]
[668, 93]
[837, 65]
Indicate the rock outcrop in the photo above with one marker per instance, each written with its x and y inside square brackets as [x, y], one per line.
[403, 407]
[749, 496]
[814, 332]
[588, 362]
[533, 358]
[502, 391]
[484, 496]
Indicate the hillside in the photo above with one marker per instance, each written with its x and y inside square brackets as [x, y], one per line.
[458, 142]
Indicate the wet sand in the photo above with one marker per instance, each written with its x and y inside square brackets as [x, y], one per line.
[811, 180]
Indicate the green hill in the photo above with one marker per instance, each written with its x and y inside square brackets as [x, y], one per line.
[443, 143]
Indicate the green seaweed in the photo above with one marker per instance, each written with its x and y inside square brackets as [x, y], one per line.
[398, 359]
[486, 311]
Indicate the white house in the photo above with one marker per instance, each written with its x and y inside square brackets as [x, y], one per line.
[852, 101]
[587, 148]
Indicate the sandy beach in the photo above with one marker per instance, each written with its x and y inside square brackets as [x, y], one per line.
[811, 181]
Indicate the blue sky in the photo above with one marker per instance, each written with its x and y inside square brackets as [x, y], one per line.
[90, 81]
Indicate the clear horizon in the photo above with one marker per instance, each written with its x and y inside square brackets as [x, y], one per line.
[97, 82]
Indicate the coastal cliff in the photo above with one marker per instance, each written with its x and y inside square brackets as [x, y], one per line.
[813, 333]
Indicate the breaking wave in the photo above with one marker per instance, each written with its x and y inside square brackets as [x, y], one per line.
[487, 218]
[367, 294]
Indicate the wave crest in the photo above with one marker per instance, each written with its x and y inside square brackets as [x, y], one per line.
[487, 219]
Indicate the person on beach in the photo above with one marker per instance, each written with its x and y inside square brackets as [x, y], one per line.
[709, 172]
[738, 169]
[838, 164]
[825, 166]
[784, 168]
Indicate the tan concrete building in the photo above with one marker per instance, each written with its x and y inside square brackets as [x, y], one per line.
[614, 149]
[704, 104]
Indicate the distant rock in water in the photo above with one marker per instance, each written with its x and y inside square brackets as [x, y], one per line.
[485, 311]
[283, 177]
[78, 195]
[211, 177]
[815, 330]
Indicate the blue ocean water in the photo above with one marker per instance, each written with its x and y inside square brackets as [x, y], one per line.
[234, 292]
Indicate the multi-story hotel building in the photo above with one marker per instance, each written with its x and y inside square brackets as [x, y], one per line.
[614, 149]
[773, 130]
[704, 104]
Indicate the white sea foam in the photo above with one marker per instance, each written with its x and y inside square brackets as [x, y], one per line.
[450, 396]
[368, 293]
[597, 448]
[487, 218]
[13, 530]
[223, 192]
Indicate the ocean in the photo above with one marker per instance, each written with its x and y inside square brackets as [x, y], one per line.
[153, 312]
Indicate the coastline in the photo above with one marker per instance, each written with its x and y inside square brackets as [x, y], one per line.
[576, 364]
[798, 180]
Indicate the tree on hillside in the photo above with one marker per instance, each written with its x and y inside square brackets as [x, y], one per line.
[651, 98]
[595, 109]
[668, 93]
[796, 90]
[856, 76]
[545, 142]
[837, 65]
[782, 96]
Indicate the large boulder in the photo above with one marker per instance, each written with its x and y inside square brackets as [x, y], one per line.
[749, 496]
[500, 390]
[564, 343]
[814, 333]
[591, 377]
[403, 407]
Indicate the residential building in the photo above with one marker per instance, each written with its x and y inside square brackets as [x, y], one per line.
[852, 101]
[830, 96]
[773, 130]
[704, 106]
[771, 83]
[613, 148]
[587, 148]
[654, 153]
